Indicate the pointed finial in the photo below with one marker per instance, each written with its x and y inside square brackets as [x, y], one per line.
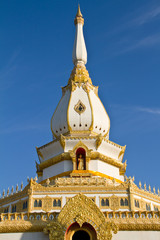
[154, 190]
[12, 190]
[7, 192]
[47, 181]
[79, 14]
[79, 17]
[17, 188]
[149, 188]
[21, 186]
[3, 193]
[140, 184]
[35, 179]
[145, 187]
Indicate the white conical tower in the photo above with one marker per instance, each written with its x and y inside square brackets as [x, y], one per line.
[80, 126]
[79, 55]
[80, 110]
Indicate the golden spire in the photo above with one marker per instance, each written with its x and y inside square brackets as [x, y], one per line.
[79, 17]
[79, 14]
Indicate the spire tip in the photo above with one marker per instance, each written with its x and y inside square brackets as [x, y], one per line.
[79, 14]
[79, 17]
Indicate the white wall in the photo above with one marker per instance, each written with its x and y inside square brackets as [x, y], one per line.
[137, 235]
[105, 168]
[58, 168]
[121, 235]
[24, 236]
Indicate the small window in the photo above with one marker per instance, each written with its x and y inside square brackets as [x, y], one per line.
[56, 203]
[122, 202]
[102, 202]
[126, 202]
[148, 207]
[14, 209]
[38, 203]
[105, 202]
[59, 203]
[35, 203]
[6, 210]
[136, 202]
[155, 209]
[25, 205]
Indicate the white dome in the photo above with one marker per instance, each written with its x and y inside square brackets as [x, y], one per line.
[80, 111]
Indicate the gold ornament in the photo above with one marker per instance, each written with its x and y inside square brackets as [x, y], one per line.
[55, 229]
[114, 202]
[99, 141]
[47, 204]
[62, 141]
[81, 209]
[79, 107]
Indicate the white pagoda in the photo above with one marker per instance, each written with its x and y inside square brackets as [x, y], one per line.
[81, 191]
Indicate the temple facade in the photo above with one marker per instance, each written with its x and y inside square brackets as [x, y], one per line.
[81, 190]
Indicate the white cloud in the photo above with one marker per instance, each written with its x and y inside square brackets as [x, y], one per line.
[137, 108]
[142, 43]
[146, 17]
[149, 110]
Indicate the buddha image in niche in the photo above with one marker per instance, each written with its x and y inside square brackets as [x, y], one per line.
[80, 163]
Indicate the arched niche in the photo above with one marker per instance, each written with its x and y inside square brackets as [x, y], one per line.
[80, 159]
[75, 232]
[80, 148]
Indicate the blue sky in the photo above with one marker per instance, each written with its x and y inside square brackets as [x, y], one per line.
[123, 44]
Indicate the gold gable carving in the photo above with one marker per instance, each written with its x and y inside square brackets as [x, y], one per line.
[81, 209]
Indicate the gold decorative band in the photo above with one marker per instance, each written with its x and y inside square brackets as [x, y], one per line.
[81, 172]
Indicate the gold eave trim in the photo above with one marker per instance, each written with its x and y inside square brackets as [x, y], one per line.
[82, 138]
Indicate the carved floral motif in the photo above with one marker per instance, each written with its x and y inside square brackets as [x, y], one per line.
[55, 229]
